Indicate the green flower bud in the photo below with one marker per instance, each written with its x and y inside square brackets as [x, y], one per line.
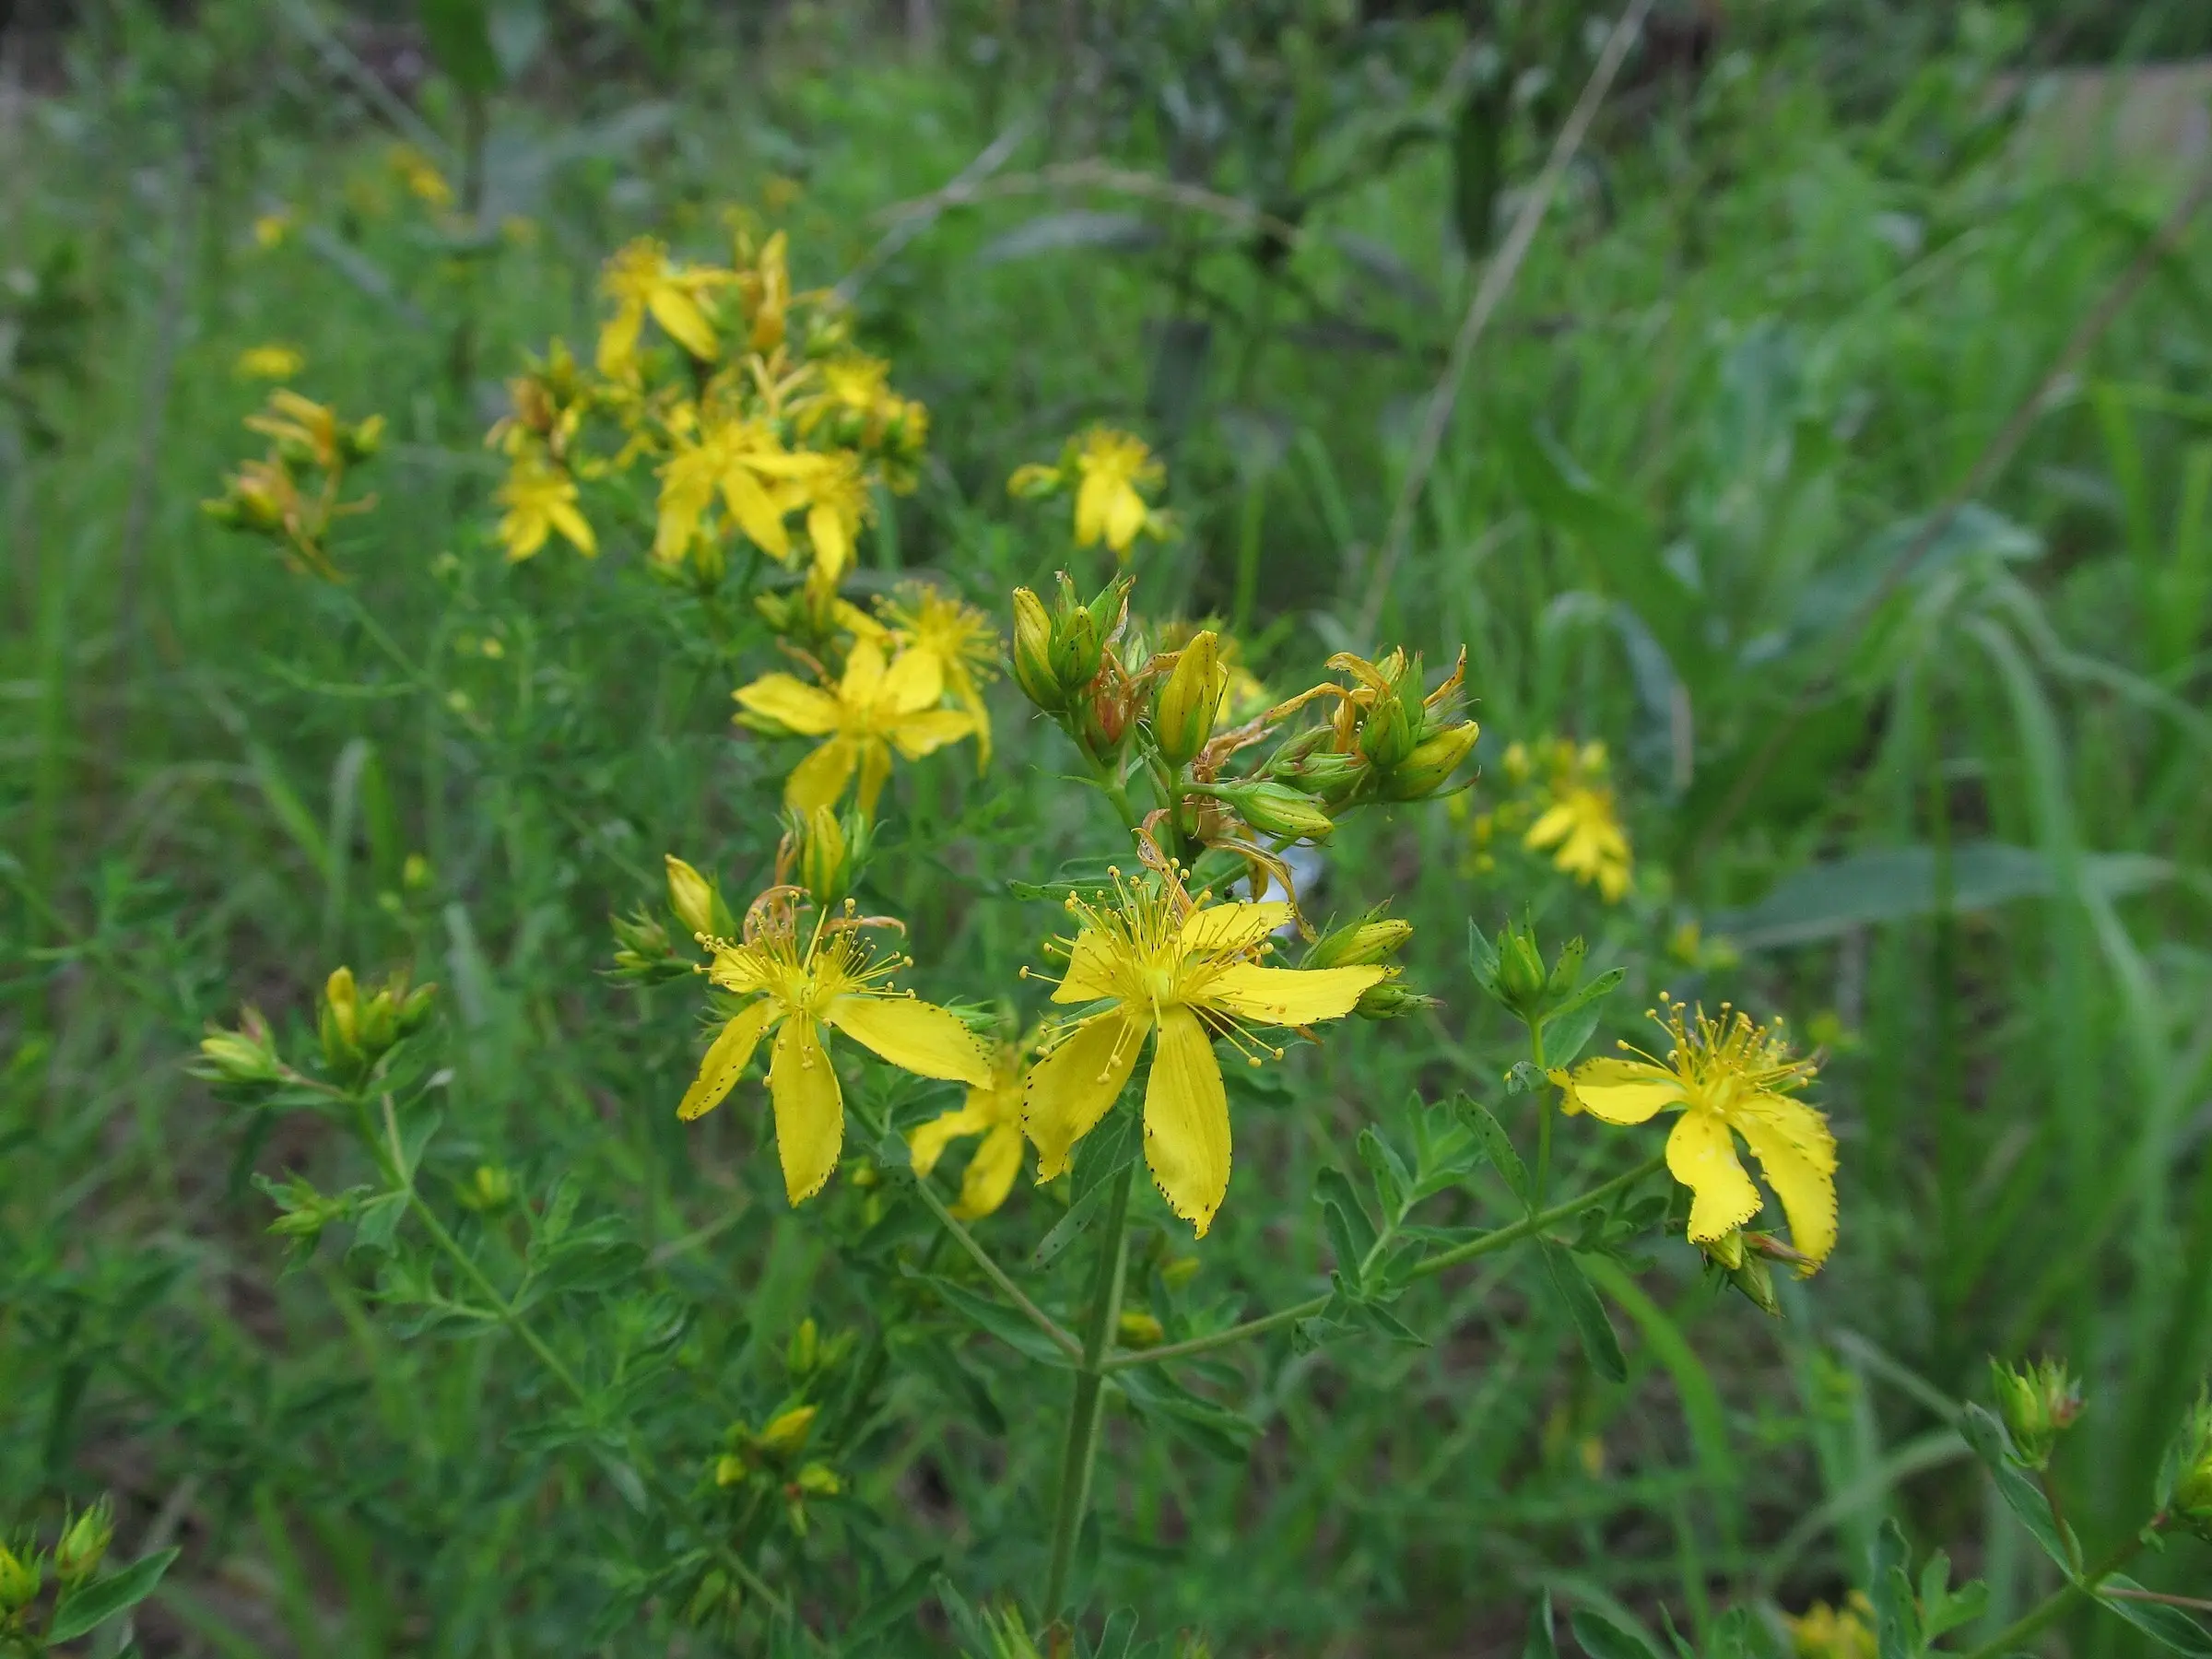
[831, 854]
[818, 1480]
[803, 1349]
[247, 1055]
[2188, 1466]
[1390, 999]
[1276, 810]
[20, 1580]
[1078, 641]
[788, 1431]
[84, 1543]
[1140, 1330]
[694, 902]
[1521, 974]
[1372, 939]
[2038, 1402]
[1428, 765]
[1389, 732]
[1746, 1272]
[1033, 670]
[489, 1190]
[1183, 715]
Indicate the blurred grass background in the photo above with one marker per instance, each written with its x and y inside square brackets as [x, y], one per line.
[1810, 262]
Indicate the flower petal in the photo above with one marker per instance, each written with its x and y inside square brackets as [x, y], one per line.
[862, 683]
[1127, 515]
[1287, 996]
[1094, 500]
[1186, 1119]
[1797, 1155]
[1621, 1091]
[810, 1108]
[1072, 1088]
[789, 701]
[1090, 965]
[1232, 927]
[915, 681]
[926, 1143]
[673, 309]
[727, 1058]
[1702, 1155]
[912, 1035]
[874, 772]
[990, 1172]
[918, 734]
[1554, 825]
[820, 779]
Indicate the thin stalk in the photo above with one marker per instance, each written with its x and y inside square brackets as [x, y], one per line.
[1425, 1268]
[1536, 1052]
[1082, 1447]
[2015, 1636]
[1006, 1288]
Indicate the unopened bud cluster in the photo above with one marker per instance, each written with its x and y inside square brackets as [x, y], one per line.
[2038, 1402]
[1374, 940]
[291, 495]
[359, 1027]
[1512, 970]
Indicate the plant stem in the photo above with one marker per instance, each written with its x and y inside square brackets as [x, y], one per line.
[2059, 1602]
[1526, 1226]
[1006, 1288]
[1536, 1052]
[1090, 1381]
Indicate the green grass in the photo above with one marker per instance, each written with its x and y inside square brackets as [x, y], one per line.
[1755, 340]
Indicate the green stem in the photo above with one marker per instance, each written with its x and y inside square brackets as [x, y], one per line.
[1536, 1052]
[1006, 1288]
[1082, 1447]
[2013, 1636]
[1426, 1267]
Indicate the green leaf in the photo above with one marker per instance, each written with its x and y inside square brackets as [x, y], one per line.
[2021, 1495]
[1210, 1427]
[377, 1221]
[1540, 1644]
[1569, 1026]
[1482, 958]
[1591, 1325]
[997, 1320]
[2168, 1627]
[1497, 1145]
[1477, 162]
[892, 1606]
[1393, 1179]
[1942, 1609]
[1080, 877]
[88, 1606]
[1602, 1639]
[1351, 1235]
[1099, 1156]
[459, 32]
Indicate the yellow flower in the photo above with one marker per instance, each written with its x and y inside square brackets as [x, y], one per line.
[992, 1110]
[272, 230]
[540, 499]
[832, 981]
[836, 505]
[758, 480]
[1825, 1633]
[1728, 1078]
[873, 710]
[270, 362]
[422, 176]
[1113, 467]
[642, 278]
[313, 432]
[1581, 821]
[955, 638]
[1167, 966]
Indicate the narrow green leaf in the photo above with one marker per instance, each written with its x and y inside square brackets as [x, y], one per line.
[1351, 1233]
[459, 32]
[1393, 1179]
[1602, 1639]
[996, 1320]
[1541, 1645]
[1588, 1313]
[2168, 1627]
[2021, 1495]
[1497, 1145]
[88, 1606]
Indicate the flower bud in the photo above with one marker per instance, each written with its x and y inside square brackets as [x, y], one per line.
[695, 902]
[1033, 653]
[489, 1190]
[1276, 810]
[803, 1349]
[1429, 764]
[361, 440]
[1387, 735]
[1391, 999]
[1335, 777]
[84, 1543]
[831, 854]
[1364, 944]
[818, 1480]
[643, 954]
[1140, 1330]
[1102, 717]
[20, 1580]
[1182, 716]
[788, 1431]
[244, 1056]
[2038, 1402]
[1521, 975]
[1745, 1271]
[339, 1024]
[2189, 1465]
[1075, 650]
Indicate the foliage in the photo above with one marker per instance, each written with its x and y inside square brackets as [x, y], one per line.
[418, 1319]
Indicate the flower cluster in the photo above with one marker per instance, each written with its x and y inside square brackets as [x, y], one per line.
[1559, 800]
[762, 423]
[294, 493]
[1111, 472]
